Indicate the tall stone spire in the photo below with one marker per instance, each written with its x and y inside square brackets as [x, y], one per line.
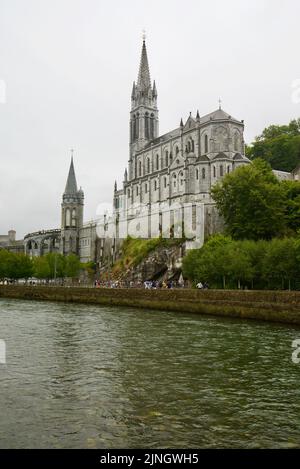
[71, 186]
[144, 81]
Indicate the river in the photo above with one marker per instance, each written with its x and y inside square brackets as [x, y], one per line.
[82, 376]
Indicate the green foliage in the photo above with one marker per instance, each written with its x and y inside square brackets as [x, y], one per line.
[250, 200]
[15, 266]
[72, 266]
[278, 145]
[262, 265]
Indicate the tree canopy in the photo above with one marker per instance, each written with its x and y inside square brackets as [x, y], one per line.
[279, 145]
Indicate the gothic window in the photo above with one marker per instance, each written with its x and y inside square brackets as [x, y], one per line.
[206, 144]
[236, 141]
[147, 125]
[165, 182]
[74, 217]
[189, 146]
[197, 174]
[181, 178]
[137, 190]
[167, 158]
[157, 162]
[171, 158]
[68, 217]
[228, 169]
[128, 193]
[221, 171]
[152, 126]
[140, 168]
[148, 165]
[203, 173]
[146, 188]
[137, 126]
[155, 185]
[174, 182]
[192, 145]
[214, 171]
[177, 151]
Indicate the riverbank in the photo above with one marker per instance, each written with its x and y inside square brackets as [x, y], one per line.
[261, 305]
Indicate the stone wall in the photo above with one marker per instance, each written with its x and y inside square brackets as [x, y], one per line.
[272, 306]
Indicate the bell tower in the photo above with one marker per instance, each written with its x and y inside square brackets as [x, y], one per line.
[71, 214]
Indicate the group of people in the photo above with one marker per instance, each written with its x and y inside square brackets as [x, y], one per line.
[148, 284]
[202, 286]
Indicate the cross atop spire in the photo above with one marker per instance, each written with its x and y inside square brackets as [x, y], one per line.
[220, 103]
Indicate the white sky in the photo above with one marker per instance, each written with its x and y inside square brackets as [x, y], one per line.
[69, 65]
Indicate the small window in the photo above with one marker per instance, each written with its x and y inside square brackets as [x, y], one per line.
[206, 144]
[157, 162]
[214, 171]
[221, 171]
[146, 188]
[137, 190]
[228, 169]
[165, 182]
[128, 193]
[155, 185]
[203, 173]
[197, 174]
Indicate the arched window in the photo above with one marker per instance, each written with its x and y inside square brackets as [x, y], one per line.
[189, 146]
[140, 168]
[152, 126]
[197, 174]
[177, 151]
[165, 182]
[167, 158]
[147, 127]
[214, 171]
[206, 144]
[137, 190]
[137, 126]
[171, 158]
[236, 142]
[192, 145]
[157, 162]
[146, 188]
[74, 217]
[221, 170]
[174, 182]
[68, 217]
[148, 165]
[228, 169]
[203, 173]
[155, 185]
[181, 178]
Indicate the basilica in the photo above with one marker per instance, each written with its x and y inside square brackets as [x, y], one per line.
[165, 174]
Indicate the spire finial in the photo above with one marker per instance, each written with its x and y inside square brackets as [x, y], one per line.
[72, 153]
[220, 103]
[144, 35]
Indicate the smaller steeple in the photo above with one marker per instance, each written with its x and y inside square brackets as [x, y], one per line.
[125, 175]
[154, 90]
[133, 91]
[116, 187]
[181, 123]
[71, 186]
[198, 115]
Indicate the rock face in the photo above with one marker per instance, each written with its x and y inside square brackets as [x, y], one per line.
[161, 264]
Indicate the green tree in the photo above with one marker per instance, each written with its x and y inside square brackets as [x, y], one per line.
[41, 267]
[250, 201]
[72, 267]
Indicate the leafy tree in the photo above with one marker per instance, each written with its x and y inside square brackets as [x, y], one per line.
[280, 262]
[72, 267]
[250, 201]
[41, 268]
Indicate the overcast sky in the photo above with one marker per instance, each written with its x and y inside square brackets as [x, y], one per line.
[68, 66]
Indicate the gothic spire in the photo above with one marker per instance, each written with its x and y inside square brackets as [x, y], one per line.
[71, 186]
[154, 90]
[144, 81]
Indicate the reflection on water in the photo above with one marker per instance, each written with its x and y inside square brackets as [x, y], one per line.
[90, 377]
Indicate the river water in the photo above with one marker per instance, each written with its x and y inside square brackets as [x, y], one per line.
[81, 376]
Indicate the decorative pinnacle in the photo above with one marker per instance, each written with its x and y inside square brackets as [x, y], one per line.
[220, 103]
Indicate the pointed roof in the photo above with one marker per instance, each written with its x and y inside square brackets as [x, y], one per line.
[144, 81]
[71, 186]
